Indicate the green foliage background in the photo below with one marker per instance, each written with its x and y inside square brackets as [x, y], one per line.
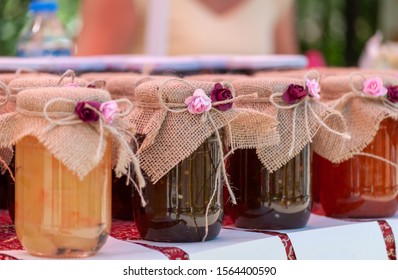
[337, 28]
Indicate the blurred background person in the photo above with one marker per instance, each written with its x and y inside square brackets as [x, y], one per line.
[191, 27]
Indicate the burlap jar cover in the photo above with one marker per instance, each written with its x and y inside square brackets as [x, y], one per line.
[124, 86]
[172, 133]
[301, 123]
[362, 111]
[50, 115]
[30, 81]
[23, 73]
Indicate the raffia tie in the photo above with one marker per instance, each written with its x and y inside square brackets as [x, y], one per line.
[70, 118]
[307, 107]
[384, 101]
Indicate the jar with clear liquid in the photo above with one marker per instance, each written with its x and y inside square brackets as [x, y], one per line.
[57, 215]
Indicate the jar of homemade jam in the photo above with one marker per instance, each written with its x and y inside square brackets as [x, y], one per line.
[122, 199]
[361, 187]
[178, 202]
[56, 214]
[278, 200]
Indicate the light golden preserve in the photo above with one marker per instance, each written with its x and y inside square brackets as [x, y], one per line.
[56, 213]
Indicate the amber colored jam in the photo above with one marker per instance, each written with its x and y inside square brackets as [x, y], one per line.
[361, 187]
[177, 203]
[57, 214]
[280, 200]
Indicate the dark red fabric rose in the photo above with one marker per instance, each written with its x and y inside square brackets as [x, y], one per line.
[294, 94]
[392, 94]
[86, 113]
[219, 93]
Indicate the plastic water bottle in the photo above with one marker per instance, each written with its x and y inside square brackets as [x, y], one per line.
[44, 34]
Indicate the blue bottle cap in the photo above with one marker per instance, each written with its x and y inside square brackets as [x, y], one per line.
[43, 6]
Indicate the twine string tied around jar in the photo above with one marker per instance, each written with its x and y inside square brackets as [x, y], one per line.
[207, 116]
[70, 118]
[382, 99]
[307, 108]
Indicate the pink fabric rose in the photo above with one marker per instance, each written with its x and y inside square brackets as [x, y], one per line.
[374, 86]
[313, 88]
[198, 103]
[109, 110]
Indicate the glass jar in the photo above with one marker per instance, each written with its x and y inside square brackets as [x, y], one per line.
[122, 199]
[58, 215]
[361, 187]
[280, 200]
[177, 203]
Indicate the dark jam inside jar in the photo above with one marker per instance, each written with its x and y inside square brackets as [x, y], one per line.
[361, 187]
[122, 190]
[280, 200]
[122, 198]
[177, 203]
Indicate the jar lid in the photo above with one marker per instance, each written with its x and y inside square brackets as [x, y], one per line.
[43, 6]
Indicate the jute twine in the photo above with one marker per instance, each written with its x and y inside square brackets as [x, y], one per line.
[363, 113]
[48, 114]
[172, 133]
[299, 124]
[29, 81]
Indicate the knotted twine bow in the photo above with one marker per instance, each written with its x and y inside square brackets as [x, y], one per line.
[206, 124]
[307, 103]
[126, 155]
[385, 107]
[310, 106]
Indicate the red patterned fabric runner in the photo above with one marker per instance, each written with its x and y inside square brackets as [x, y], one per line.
[124, 230]
[287, 243]
[172, 253]
[388, 239]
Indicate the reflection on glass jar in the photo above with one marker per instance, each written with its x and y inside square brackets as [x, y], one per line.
[57, 214]
[361, 187]
[177, 203]
[280, 200]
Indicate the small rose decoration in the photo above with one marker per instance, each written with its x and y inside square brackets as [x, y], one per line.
[313, 88]
[374, 86]
[294, 94]
[109, 110]
[219, 93]
[392, 94]
[85, 113]
[198, 103]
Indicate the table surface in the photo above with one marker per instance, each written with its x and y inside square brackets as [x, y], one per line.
[322, 238]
